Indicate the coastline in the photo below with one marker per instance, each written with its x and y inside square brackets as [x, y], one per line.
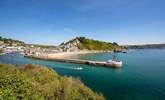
[2, 54]
[66, 57]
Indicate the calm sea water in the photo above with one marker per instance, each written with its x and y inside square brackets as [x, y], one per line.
[141, 78]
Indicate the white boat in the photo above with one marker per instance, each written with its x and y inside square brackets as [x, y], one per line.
[115, 63]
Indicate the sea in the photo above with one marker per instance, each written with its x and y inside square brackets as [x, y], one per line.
[142, 76]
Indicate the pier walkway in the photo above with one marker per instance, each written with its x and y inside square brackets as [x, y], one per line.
[78, 61]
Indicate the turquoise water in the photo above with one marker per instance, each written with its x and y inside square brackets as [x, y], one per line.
[141, 78]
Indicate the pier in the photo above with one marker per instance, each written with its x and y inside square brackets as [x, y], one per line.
[78, 61]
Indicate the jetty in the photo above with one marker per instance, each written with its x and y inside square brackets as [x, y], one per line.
[78, 61]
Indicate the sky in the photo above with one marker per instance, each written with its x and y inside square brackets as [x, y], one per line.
[51, 22]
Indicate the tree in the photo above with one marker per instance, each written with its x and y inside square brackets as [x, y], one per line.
[114, 43]
[81, 39]
[1, 38]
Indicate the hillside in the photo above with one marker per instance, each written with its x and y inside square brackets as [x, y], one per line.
[76, 44]
[10, 41]
[82, 43]
[147, 46]
[34, 82]
[13, 42]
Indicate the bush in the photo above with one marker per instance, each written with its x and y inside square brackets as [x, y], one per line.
[38, 82]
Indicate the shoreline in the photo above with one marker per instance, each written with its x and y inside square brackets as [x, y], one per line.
[66, 57]
[1, 54]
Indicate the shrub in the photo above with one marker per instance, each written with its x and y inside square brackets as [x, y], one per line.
[37, 82]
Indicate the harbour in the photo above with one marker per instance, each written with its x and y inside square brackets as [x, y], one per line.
[111, 63]
[137, 74]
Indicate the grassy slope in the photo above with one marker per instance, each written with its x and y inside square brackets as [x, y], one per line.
[36, 82]
[91, 44]
[10, 41]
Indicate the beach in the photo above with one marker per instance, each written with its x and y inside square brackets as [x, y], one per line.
[62, 55]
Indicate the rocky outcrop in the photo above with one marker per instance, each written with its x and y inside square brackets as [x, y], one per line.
[72, 45]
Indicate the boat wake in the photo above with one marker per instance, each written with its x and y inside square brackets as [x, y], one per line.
[78, 68]
[73, 68]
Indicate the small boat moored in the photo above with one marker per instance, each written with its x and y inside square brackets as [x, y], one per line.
[115, 63]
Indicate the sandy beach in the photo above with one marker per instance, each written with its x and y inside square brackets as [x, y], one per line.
[62, 55]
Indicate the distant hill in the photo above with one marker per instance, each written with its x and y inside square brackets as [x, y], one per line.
[10, 41]
[13, 42]
[82, 43]
[147, 46]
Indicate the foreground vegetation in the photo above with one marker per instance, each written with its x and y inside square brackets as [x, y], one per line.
[40, 83]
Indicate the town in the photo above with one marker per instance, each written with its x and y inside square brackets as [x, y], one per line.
[74, 45]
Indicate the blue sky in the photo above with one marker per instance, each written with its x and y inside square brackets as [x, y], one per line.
[55, 21]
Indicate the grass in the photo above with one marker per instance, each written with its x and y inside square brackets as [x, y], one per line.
[36, 82]
[91, 44]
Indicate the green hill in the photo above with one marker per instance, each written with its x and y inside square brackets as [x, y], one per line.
[82, 43]
[91, 44]
[35, 82]
[11, 41]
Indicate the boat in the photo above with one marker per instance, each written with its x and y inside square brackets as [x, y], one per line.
[114, 62]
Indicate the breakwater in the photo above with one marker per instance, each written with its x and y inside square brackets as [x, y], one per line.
[78, 61]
